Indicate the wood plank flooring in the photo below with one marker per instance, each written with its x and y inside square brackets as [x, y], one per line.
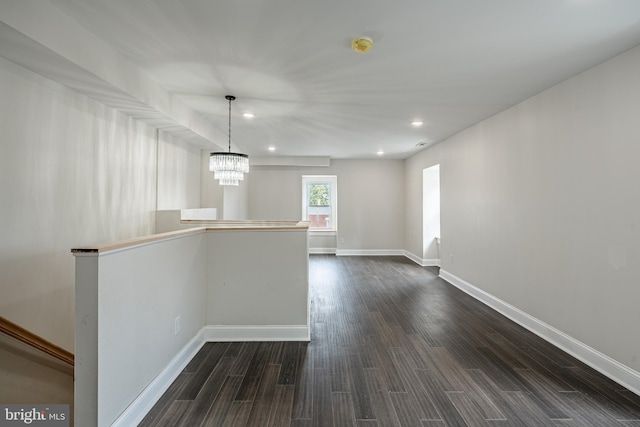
[393, 345]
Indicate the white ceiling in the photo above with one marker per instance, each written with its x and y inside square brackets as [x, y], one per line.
[450, 63]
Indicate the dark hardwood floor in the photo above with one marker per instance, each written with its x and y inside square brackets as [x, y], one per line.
[393, 345]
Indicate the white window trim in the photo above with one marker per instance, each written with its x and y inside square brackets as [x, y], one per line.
[333, 181]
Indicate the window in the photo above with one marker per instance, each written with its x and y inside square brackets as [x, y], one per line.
[319, 202]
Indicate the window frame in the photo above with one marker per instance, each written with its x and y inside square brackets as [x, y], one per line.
[332, 180]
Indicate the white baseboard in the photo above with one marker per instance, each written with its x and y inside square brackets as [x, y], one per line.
[423, 262]
[137, 410]
[369, 252]
[317, 251]
[225, 333]
[602, 363]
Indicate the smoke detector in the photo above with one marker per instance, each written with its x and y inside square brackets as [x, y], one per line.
[361, 44]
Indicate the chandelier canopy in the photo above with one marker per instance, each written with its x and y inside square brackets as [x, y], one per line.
[227, 167]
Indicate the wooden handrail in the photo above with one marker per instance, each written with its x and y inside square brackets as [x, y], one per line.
[9, 328]
[205, 226]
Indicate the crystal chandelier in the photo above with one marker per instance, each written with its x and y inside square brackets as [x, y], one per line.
[227, 167]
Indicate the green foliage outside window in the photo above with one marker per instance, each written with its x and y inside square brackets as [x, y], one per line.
[318, 194]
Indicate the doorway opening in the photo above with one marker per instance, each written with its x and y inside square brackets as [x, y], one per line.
[431, 216]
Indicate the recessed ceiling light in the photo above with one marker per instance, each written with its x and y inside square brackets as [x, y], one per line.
[380, 153]
[248, 115]
[272, 148]
[417, 123]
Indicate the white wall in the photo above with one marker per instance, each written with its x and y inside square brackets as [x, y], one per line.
[178, 173]
[72, 172]
[235, 202]
[250, 283]
[541, 209]
[370, 200]
[138, 306]
[130, 338]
